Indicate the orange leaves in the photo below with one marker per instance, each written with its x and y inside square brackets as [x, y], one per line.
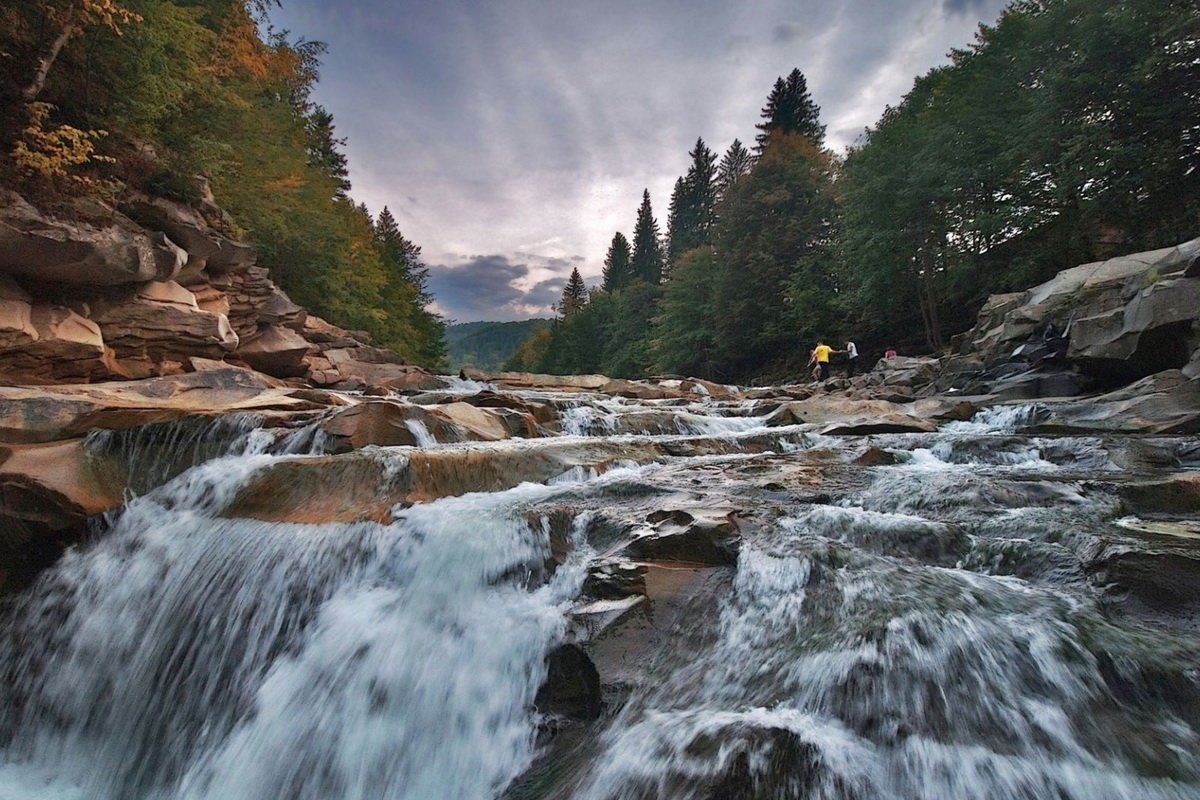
[54, 154]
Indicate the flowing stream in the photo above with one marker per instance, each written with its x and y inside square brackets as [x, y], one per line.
[932, 626]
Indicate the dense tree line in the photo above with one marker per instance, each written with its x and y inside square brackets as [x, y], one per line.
[103, 97]
[1066, 132]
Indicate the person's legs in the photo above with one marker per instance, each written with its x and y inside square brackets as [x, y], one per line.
[824, 367]
[850, 365]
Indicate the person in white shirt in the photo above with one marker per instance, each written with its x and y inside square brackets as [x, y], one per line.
[851, 359]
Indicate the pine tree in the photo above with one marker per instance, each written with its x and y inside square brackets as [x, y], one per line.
[790, 109]
[574, 296]
[734, 164]
[677, 221]
[324, 151]
[617, 267]
[647, 261]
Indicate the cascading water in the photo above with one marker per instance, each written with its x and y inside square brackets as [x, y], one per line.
[192, 656]
[924, 628]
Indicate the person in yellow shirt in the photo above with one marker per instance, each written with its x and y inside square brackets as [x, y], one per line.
[820, 357]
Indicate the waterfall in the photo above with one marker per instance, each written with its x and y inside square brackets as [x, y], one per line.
[193, 656]
[909, 616]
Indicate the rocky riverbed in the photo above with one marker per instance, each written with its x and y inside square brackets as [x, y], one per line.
[245, 554]
[504, 589]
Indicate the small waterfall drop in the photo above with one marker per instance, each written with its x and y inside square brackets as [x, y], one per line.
[194, 656]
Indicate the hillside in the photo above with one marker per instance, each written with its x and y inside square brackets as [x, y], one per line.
[487, 345]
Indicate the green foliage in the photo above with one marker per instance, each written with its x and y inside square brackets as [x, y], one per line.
[194, 87]
[574, 297]
[693, 205]
[1067, 124]
[776, 235]
[685, 331]
[618, 269]
[647, 260]
[488, 345]
[790, 109]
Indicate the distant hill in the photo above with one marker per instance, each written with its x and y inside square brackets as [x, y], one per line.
[487, 345]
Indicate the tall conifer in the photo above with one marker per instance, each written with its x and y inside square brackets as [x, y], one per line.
[574, 296]
[618, 270]
[790, 109]
[647, 261]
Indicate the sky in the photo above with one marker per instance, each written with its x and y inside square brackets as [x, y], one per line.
[512, 138]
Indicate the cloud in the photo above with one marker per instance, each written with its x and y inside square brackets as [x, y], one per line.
[964, 6]
[787, 32]
[528, 130]
[500, 287]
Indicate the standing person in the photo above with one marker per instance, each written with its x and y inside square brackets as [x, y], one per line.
[820, 356]
[851, 359]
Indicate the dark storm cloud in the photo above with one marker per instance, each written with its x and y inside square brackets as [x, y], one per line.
[964, 6]
[787, 32]
[497, 287]
[529, 128]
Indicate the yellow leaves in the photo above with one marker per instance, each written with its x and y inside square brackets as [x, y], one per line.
[54, 154]
[108, 13]
[286, 183]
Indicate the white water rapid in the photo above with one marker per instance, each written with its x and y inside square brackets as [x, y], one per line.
[756, 613]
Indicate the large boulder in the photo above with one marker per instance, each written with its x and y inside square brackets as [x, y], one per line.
[97, 246]
[1151, 332]
[16, 320]
[57, 484]
[1127, 317]
[1163, 403]
[276, 351]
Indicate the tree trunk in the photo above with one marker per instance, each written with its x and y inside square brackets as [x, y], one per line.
[46, 60]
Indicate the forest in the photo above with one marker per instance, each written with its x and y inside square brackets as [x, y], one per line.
[1066, 132]
[99, 98]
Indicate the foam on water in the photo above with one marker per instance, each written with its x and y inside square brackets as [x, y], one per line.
[199, 657]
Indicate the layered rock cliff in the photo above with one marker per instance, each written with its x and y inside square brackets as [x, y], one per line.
[89, 292]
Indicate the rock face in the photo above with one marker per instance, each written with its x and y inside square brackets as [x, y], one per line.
[106, 295]
[1125, 318]
[106, 252]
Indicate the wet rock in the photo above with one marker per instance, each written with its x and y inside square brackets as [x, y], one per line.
[1155, 578]
[542, 412]
[527, 380]
[57, 485]
[1174, 494]
[1163, 403]
[704, 537]
[44, 414]
[876, 457]
[572, 686]
[97, 246]
[376, 422]
[615, 579]
[891, 423]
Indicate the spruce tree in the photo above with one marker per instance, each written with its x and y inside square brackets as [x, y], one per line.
[324, 149]
[617, 267]
[734, 164]
[647, 261]
[574, 296]
[677, 219]
[790, 109]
